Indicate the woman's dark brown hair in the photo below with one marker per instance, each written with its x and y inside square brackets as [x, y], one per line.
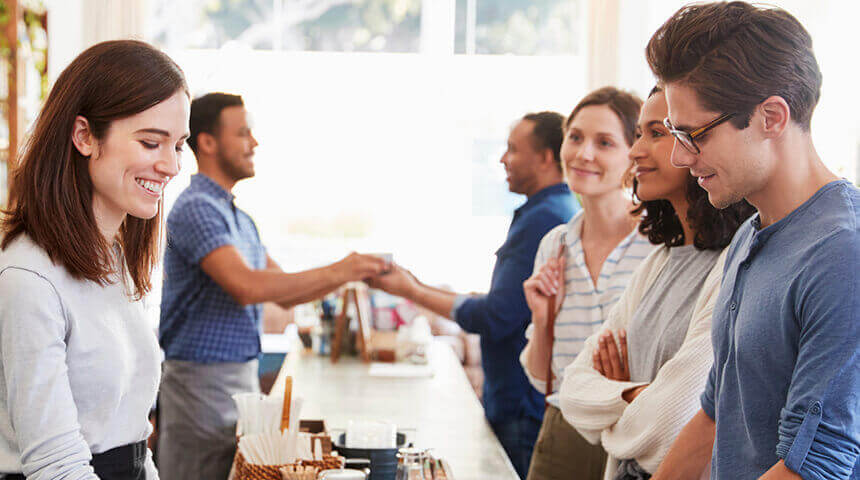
[714, 228]
[626, 105]
[50, 196]
[735, 55]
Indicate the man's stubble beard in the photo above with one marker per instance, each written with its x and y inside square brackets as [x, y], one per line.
[232, 169]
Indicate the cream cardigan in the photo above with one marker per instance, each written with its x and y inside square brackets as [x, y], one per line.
[645, 428]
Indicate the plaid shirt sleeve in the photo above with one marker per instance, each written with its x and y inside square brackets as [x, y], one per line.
[197, 228]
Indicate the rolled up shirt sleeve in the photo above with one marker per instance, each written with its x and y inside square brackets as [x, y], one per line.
[38, 396]
[458, 302]
[707, 397]
[819, 427]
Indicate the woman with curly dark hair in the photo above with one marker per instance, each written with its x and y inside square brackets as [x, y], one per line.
[637, 381]
[709, 227]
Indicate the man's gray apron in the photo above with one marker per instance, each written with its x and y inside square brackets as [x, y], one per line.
[197, 417]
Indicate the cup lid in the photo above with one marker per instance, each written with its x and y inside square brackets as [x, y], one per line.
[411, 452]
[342, 474]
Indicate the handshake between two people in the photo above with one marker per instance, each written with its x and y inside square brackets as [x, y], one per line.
[379, 272]
[400, 282]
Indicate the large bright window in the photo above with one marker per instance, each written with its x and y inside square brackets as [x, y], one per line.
[290, 25]
[375, 135]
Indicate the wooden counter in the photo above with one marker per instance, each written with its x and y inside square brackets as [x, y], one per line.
[439, 412]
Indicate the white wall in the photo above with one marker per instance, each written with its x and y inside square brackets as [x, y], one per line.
[74, 25]
[65, 34]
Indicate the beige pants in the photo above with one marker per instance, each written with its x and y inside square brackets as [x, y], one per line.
[562, 454]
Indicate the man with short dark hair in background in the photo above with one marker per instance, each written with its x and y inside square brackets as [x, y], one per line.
[217, 275]
[782, 400]
[533, 165]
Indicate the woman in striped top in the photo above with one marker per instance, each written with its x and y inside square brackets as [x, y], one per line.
[601, 248]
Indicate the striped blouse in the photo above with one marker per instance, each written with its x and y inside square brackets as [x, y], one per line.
[585, 305]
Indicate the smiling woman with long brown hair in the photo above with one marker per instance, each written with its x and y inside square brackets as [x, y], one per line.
[79, 363]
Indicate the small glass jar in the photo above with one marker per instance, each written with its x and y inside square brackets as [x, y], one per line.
[410, 464]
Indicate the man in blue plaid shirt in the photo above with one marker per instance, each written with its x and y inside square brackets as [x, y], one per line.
[217, 274]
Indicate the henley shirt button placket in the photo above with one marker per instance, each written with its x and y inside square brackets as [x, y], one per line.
[733, 306]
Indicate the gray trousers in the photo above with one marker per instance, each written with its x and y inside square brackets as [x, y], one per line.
[197, 417]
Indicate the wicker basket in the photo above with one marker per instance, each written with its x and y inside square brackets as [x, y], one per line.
[247, 471]
[243, 470]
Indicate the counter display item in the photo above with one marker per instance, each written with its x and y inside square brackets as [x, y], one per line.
[270, 441]
[344, 474]
[439, 411]
[355, 302]
[365, 434]
[412, 464]
[383, 459]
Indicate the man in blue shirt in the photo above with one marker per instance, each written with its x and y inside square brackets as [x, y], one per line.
[782, 400]
[513, 408]
[217, 274]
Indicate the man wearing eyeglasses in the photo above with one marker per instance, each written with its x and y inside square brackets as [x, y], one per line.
[783, 398]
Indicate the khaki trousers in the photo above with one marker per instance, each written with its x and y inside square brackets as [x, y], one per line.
[562, 454]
